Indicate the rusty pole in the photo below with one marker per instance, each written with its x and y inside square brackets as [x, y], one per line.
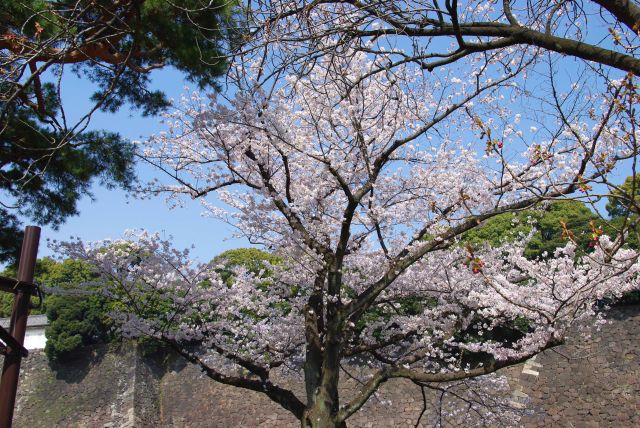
[18, 327]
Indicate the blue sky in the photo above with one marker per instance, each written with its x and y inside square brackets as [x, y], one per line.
[111, 212]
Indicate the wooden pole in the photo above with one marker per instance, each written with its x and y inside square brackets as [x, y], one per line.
[18, 326]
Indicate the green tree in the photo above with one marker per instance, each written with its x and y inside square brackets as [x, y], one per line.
[628, 226]
[252, 259]
[625, 199]
[47, 158]
[75, 319]
[624, 206]
[553, 222]
[46, 270]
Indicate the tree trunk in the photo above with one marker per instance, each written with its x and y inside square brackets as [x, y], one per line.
[322, 362]
[322, 388]
[320, 416]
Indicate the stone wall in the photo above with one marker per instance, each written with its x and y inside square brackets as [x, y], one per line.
[582, 384]
[594, 383]
[95, 390]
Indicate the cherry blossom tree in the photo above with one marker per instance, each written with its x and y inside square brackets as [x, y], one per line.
[363, 172]
[344, 182]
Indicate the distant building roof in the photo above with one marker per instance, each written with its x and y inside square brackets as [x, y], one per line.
[32, 321]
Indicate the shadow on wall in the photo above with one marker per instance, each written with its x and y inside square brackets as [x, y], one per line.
[75, 367]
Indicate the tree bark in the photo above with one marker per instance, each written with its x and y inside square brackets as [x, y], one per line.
[322, 365]
[624, 10]
[322, 408]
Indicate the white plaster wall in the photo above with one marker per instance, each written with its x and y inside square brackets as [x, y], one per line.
[35, 338]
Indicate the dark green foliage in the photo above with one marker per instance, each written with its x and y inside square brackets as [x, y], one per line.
[150, 346]
[11, 236]
[631, 230]
[579, 222]
[626, 199]
[502, 228]
[575, 216]
[75, 321]
[548, 222]
[408, 306]
[624, 206]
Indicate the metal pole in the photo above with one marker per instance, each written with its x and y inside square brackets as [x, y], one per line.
[11, 368]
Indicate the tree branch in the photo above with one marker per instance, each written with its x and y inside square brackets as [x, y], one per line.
[419, 376]
[283, 397]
